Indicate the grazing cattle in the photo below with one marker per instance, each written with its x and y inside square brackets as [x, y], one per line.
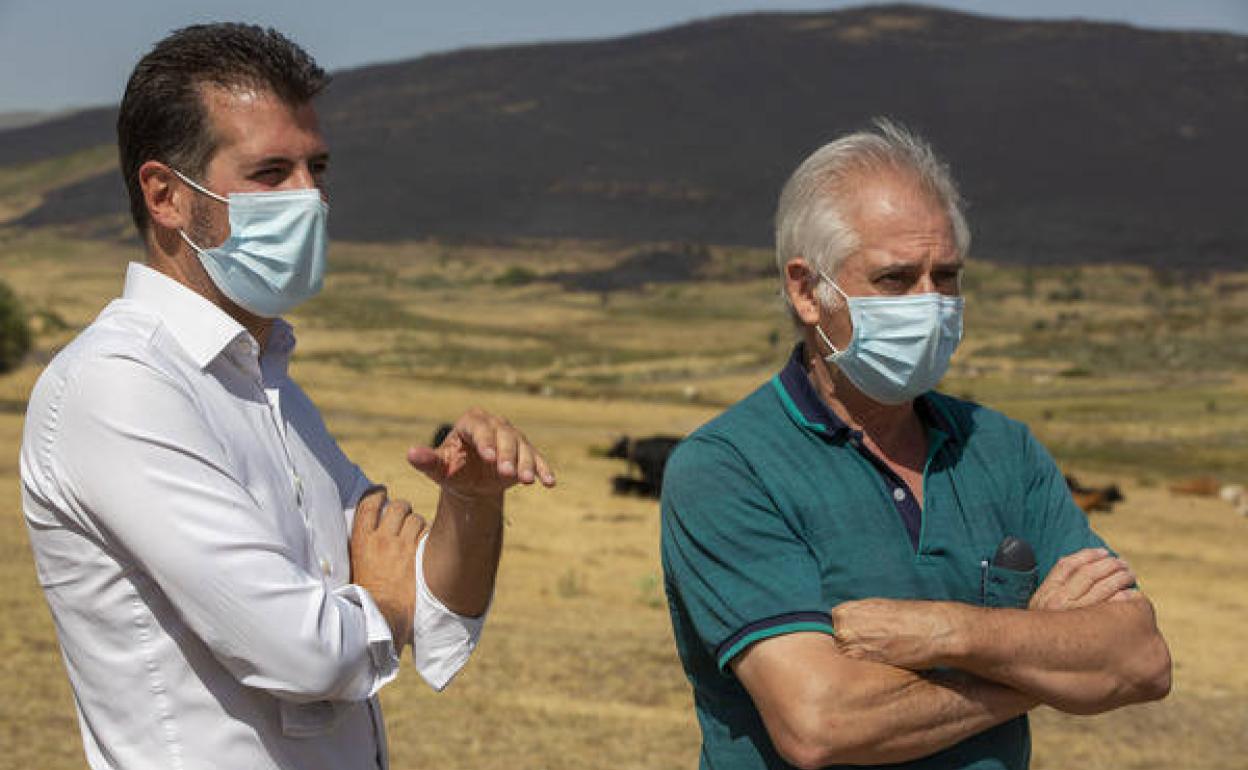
[1091, 499]
[1199, 486]
[627, 485]
[648, 456]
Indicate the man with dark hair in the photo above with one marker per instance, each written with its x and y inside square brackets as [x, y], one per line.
[229, 590]
[861, 570]
[163, 113]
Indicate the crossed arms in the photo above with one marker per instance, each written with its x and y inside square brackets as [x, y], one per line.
[903, 679]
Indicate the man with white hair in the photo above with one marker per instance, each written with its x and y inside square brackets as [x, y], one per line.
[861, 570]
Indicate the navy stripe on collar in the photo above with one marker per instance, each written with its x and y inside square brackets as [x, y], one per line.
[818, 415]
[804, 396]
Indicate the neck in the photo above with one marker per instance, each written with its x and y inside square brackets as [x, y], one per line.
[169, 254]
[886, 425]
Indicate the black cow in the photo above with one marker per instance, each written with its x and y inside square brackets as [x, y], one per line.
[648, 456]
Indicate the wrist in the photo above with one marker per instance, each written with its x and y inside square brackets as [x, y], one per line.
[473, 501]
[468, 497]
[960, 622]
[398, 618]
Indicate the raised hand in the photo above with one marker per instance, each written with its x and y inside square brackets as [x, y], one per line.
[482, 457]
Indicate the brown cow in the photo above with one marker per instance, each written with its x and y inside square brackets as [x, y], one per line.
[1091, 499]
[1198, 486]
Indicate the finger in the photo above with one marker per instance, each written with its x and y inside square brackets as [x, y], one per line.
[368, 510]
[1087, 575]
[477, 432]
[413, 525]
[1105, 589]
[428, 461]
[1068, 564]
[526, 470]
[506, 443]
[544, 471]
[393, 516]
[1126, 595]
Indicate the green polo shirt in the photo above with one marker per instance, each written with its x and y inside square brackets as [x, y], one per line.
[774, 512]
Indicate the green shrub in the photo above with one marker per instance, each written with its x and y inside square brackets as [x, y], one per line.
[516, 275]
[14, 330]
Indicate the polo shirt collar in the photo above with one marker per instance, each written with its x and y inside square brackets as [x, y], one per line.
[201, 328]
[809, 410]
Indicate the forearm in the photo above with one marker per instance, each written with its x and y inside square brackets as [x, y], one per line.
[890, 715]
[821, 707]
[462, 553]
[1084, 660]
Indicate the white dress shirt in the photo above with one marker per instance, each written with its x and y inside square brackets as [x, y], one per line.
[189, 515]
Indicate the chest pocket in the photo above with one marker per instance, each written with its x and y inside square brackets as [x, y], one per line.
[1008, 588]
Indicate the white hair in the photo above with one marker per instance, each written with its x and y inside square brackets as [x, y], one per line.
[811, 223]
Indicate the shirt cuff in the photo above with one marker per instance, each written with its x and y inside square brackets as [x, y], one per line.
[442, 640]
[377, 631]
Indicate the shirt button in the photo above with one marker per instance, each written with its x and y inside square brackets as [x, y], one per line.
[326, 568]
[899, 494]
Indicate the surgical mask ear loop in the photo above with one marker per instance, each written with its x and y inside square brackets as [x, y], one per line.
[818, 328]
[199, 187]
[203, 190]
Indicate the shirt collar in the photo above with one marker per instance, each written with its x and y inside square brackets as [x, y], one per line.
[200, 327]
[275, 359]
[802, 400]
[808, 409]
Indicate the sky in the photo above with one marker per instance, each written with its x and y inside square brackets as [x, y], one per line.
[63, 54]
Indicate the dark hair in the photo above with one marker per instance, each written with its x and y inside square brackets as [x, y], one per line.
[163, 115]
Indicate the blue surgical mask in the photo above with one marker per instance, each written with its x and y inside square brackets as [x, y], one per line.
[900, 347]
[274, 257]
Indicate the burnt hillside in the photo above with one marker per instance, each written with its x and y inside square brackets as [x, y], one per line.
[1072, 141]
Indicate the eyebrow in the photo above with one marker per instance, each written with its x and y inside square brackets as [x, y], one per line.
[911, 266]
[283, 160]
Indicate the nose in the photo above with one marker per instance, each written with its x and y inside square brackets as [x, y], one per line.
[302, 177]
[925, 284]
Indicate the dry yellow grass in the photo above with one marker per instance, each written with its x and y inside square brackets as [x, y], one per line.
[577, 667]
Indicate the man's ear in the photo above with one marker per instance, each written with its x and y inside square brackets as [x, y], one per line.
[165, 196]
[800, 284]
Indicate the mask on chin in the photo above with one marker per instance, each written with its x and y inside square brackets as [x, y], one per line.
[900, 347]
[274, 257]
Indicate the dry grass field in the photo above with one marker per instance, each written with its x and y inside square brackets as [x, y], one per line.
[1129, 375]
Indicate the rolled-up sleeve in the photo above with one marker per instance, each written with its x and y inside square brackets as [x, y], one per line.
[442, 640]
[150, 476]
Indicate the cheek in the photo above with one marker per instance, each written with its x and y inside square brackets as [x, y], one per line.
[209, 223]
[842, 331]
[837, 326]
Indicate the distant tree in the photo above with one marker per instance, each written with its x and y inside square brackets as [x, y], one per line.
[516, 275]
[14, 330]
